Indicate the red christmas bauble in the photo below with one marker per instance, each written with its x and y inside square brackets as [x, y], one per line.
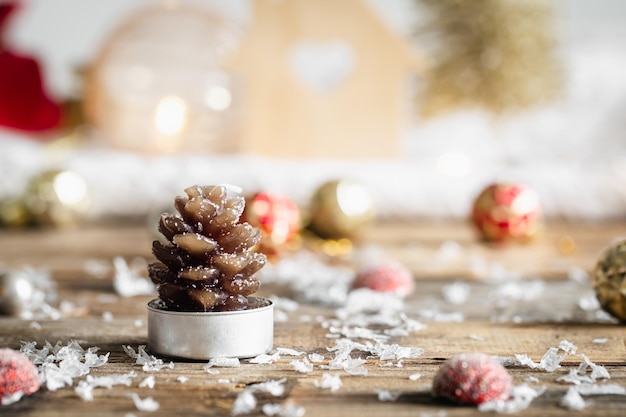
[18, 376]
[388, 277]
[276, 216]
[472, 378]
[506, 211]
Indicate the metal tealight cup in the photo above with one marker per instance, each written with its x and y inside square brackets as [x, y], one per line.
[206, 335]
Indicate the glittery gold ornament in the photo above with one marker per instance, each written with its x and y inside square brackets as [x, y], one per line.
[56, 198]
[13, 213]
[609, 280]
[276, 216]
[340, 209]
[504, 212]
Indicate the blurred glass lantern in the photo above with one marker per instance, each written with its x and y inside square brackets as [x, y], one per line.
[160, 84]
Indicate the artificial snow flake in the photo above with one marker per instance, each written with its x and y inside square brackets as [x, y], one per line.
[316, 357]
[286, 409]
[107, 316]
[148, 362]
[85, 388]
[223, 381]
[567, 347]
[223, 363]
[384, 395]
[415, 376]
[521, 397]
[572, 400]
[456, 293]
[244, 403]
[147, 382]
[597, 371]
[600, 389]
[290, 352]
[182, 379]
[551, 360]
[147, 404]
[303, 365]
[600, 340]
[60, 364]
[329, 381]
[264, 358]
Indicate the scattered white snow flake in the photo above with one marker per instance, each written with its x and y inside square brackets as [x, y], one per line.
[329, 381]
[597, 371]
[182, 379]
[600, 340]
[107, 316]
[316, 357]
[147, 382]
[531, 379]
[578, 275]
[524, 360]
[600, 389]
[138, 323]
[551, 360]
[99, 268]
[354, 366]
[34, 325]
[274, 387]
[303, 365]
[264, 358]
[147, 404]
[147, 361]
[223, 381]
[567, 347]
[290, 352]
[572, 400]
[415, 376]
[280, 316]
[286, 409]
[244, 403]
[575, 377]
[476, 337]
[127, 281]
[384, 395]
[521, 397]
[84, 391]
[223, 363]
[85, 388]
[456, 293]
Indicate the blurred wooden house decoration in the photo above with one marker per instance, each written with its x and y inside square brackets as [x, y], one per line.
[323, 78]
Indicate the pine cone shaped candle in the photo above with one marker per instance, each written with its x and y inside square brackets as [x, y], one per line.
[208, 263]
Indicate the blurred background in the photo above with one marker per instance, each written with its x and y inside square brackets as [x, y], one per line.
[423, 102]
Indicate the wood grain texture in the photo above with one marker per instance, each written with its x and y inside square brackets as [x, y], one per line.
[502, 329]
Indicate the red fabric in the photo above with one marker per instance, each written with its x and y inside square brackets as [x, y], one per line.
[24, 103]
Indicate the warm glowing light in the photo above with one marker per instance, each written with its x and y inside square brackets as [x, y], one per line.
[353, 199]
[170, 115]
[70, 188]
[454, 164]
[218, 98]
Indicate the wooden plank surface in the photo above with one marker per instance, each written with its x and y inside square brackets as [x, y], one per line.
[531, 306]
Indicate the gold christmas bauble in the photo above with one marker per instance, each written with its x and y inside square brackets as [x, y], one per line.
[56, 198]
[609, 280]
[340, 209]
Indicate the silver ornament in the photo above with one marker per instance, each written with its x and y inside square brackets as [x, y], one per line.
[17, 293]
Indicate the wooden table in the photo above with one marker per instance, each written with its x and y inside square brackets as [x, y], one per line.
[496, 319]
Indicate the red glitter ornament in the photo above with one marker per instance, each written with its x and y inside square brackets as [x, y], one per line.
[18, 376]
[276, 216]
[385, 277]
[507, 212]
[472, 378]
